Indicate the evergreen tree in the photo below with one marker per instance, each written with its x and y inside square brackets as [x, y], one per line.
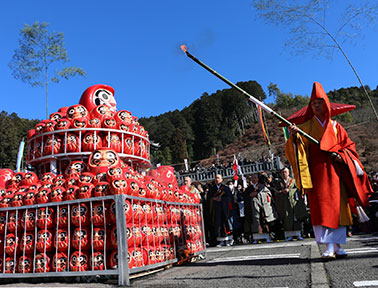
[12, 130]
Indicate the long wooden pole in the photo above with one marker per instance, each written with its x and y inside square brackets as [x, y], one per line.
[250, 97]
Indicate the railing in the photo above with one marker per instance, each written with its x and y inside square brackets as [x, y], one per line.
[59, 144]
[248, 169]
[111, 235]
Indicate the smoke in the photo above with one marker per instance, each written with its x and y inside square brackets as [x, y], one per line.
[205, 39]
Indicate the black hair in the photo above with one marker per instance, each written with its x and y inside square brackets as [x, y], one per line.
[263, 178]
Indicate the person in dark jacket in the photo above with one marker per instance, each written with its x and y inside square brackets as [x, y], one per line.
[220, 198]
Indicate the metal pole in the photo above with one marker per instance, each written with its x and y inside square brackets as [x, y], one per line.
[123, 266]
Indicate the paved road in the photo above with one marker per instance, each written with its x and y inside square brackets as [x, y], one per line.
[360, 268]
[283, 264]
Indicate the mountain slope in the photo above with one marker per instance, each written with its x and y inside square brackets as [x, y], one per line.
[252, 146]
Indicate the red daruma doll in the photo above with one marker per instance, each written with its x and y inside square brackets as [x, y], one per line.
[30, 179]
[94, 123]
[109, 123]
[113, 259]
[29, 197]
[149, 256]
[114, 173]
[57, 194]
[127, 208]
[123, 116]
[60, 261]
[98, 239]
[11, 243]
[13, 220]
[42, 263]
[63, 124]
[79, 261]
[113, 237]
[113, 141]
[42, 195]
[56, 116]
[27, 242]
[52, 145]
[102, 159]
[85, 191]
[61, 240]
[9, 264]
[63, 216]
[77, 111]
[99, 94]
[74, 169]
[5, 177]
[80, 214]
[98, 214]
[25, 264]
[97, 261]
[44, 241]
[45, 217]
[81, 239]
[91, 141]
[3, 219]
[85, 177]
[71, 192]
[118, 186]
[72, 143]
[47, 178]
[101, 111]
[101, 189]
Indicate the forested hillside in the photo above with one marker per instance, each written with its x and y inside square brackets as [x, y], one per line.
[12, 130]
[206, 126]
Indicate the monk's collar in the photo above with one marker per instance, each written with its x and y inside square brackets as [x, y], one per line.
[320, 122]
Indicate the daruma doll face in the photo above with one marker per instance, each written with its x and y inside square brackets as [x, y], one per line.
[102, 159]
[97, 95]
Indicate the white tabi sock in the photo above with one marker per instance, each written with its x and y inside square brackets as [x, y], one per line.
[331, 247]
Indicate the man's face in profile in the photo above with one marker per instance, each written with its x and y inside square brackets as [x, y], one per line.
[218, 179]
[187, 181]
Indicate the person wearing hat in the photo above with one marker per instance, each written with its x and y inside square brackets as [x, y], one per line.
[329, 173]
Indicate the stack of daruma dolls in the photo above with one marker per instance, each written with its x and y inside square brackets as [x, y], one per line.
[99, 152]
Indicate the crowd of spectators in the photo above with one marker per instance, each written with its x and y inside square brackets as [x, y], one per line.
[234, 213]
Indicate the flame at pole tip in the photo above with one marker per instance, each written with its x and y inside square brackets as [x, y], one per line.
[184, 48]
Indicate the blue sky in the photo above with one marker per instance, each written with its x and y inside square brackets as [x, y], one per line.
[133, 47]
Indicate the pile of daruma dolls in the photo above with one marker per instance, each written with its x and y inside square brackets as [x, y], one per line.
[96, 110]
[82, 236]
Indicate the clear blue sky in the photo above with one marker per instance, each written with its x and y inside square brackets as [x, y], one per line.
[133, 47]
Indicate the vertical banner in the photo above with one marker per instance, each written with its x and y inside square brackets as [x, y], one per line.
[235, 168]
[186, 164]
[20, 155]
[286, 133]
[265, 134]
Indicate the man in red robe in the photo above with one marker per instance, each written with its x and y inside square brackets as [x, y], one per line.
[329, 173]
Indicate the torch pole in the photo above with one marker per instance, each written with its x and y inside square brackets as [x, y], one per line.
[250, 97]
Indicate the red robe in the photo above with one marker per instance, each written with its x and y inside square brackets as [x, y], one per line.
[319, 174]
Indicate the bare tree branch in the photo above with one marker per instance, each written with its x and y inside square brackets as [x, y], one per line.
[308, 30]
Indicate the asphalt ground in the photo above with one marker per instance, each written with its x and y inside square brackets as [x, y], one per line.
[280, 264]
